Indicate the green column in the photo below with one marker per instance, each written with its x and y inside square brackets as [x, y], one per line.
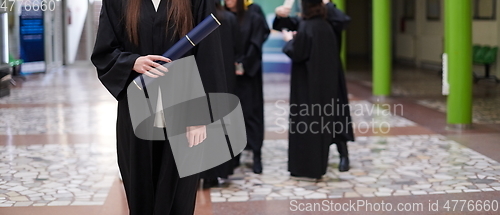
[382, 56]
[341, 5]
[458, 46]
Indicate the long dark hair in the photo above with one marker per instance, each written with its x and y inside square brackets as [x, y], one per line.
[179, 13]
[311, 10]
[219, 10]
[240, 10]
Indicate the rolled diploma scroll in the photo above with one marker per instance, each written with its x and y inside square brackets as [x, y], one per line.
[289, 3]
[186, 43]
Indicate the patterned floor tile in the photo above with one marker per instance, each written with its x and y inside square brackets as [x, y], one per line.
[82, 119]
[56, 175]
[485, 110]
[380, 166]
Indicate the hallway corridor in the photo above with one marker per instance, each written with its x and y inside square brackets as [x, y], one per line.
[57, 153]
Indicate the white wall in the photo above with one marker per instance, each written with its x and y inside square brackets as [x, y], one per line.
[422, 39]
[74, 30]
[485, 32]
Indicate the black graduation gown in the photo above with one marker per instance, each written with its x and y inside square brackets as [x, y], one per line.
[254, 32]
[338, 19]
[315, 80]
[231, 51]
[339, 22]
[231, 46]
[150, 177]
[255, 8]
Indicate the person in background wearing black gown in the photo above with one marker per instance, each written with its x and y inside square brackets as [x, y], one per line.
[337, 19]
[131, 37]
[231, 50]
[254, 31]
[316, 79]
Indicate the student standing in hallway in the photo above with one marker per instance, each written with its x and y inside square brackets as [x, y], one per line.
[231, 50]
[316, 80]
[254, 31]
[131, 37]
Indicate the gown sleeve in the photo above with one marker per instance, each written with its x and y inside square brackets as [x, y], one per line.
[299, 48]
[208, 52]
[114, 66]
[253, 55]
[338, 19]
[237, 43]
[289, 23]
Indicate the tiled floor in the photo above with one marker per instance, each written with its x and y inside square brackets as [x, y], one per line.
[486, 110]
[76, 119]
[381, 166]
[57, 150]
[56, 174]
[426, 86]
[57, 171]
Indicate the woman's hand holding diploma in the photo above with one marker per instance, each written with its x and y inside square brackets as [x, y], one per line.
[146, 65]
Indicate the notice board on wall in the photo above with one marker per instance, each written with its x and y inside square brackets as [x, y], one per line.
[31, 36]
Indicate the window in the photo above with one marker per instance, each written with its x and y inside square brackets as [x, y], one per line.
[484, 9]
[409, 9]
[433, 10]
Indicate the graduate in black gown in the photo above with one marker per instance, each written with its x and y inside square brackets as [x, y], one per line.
[338, 19]
[131, 36]
[231, 51]
[254, 31]
[316, 81]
